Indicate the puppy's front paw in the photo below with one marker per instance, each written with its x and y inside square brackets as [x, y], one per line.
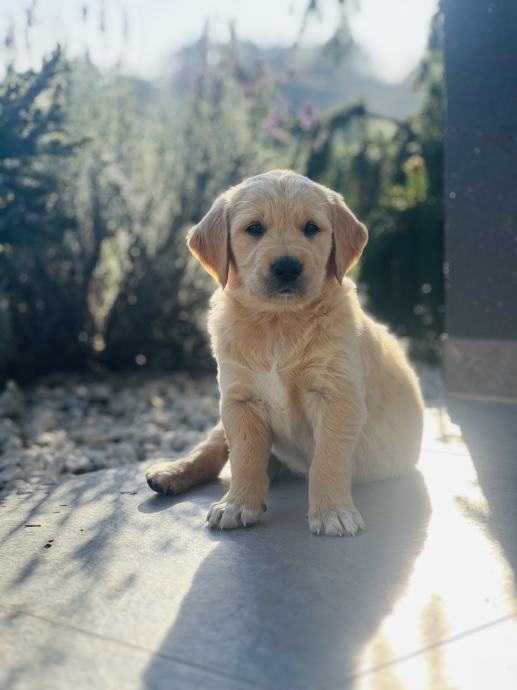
[336, 523]
[229, 514]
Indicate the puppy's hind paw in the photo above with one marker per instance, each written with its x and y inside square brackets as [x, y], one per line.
[336, 523]
[227, 514]
[170, 477]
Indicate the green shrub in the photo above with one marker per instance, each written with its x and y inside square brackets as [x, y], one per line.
[42, 305]
[402, 269]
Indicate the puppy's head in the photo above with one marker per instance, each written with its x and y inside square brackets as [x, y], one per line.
[279, 237]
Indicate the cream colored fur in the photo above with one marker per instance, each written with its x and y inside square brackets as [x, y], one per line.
[308, 378]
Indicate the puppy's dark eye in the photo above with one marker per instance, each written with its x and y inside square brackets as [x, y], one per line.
[255, 230]
[310, 229]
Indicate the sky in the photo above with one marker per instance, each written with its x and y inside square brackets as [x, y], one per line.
[141, 34]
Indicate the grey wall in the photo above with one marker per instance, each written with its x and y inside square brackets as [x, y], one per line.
[481, 198]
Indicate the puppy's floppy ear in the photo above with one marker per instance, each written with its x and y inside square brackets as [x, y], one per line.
[350, 236]
[209, 240]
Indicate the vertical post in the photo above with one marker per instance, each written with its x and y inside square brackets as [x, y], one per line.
[480, 355]
[481, 247]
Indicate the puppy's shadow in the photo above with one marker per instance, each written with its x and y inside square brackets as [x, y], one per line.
[155, 503]
[276, 607]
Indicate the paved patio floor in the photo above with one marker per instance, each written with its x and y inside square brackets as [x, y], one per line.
[104, 585]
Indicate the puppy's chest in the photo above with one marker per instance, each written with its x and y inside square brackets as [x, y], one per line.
[276, 391]
[291, 434]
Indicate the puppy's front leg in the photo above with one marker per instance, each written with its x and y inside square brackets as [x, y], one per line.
[336, 425]
[249, 439]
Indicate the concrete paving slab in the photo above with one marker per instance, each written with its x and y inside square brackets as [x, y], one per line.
[63, 657]
[105, 585]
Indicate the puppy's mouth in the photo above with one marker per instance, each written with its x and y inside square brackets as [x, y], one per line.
[283, 292]
[287, 293]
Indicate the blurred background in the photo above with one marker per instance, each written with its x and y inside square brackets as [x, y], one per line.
[120, 120]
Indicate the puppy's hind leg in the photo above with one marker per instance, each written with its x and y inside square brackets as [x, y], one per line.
[203, 464]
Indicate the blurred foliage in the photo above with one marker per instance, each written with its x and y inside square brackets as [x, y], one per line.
[41, 292]
[403, 265]
[102, 175]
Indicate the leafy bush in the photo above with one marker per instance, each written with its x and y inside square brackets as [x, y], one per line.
[42, 306]
[152, 171]
[403, 265]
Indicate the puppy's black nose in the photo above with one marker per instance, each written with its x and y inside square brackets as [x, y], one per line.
[286, 269]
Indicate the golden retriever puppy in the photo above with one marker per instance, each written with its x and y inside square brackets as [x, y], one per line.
[305, 375]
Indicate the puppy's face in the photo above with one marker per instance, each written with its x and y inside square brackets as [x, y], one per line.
[280, 237]
[283, 235]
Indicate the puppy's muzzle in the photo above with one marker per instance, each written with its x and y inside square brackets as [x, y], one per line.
[286, 272]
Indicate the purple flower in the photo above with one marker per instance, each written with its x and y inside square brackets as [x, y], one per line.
[272, 129]
[282, 108]
[307, 119]
[248, 89]
[262, 65]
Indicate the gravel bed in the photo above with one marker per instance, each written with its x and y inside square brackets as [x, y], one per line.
[71, 425]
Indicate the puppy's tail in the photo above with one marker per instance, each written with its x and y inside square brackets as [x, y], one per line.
[203, 464]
